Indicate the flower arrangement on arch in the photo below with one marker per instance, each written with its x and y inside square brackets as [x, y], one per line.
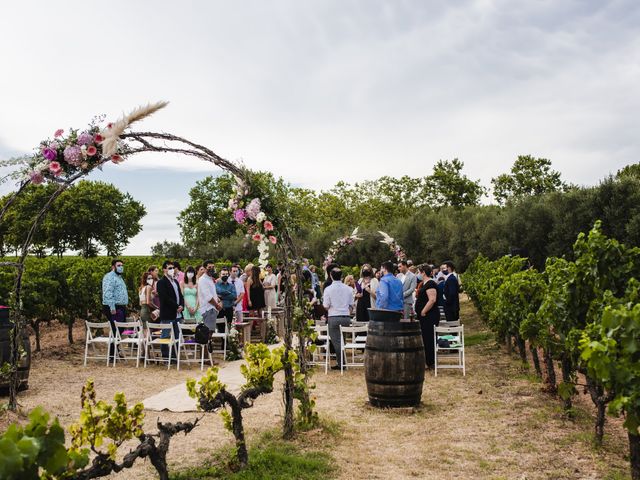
[248, 212]
[396, 249]
[338, 245]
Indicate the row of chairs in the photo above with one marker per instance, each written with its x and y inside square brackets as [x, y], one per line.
[131, 341]
[353, 340]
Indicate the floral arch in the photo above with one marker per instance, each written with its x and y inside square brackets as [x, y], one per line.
[69, 157]
[343, 242]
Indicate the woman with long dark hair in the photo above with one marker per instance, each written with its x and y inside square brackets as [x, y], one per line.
[256, 291]
[427, 311]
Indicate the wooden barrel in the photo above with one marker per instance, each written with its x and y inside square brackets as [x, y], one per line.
[24, 365]
[394, 363]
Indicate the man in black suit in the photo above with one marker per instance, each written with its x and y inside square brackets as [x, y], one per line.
[171, 303]
[451, 293]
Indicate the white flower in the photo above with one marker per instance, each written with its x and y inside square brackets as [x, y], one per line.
[261, 217]
[233, 332]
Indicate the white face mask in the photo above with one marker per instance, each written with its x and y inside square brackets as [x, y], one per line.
[149, 281]
[189, 275]
[170, 272]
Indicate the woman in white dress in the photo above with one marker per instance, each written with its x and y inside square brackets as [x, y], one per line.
[269, 283]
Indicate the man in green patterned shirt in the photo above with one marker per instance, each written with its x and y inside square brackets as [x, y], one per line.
[115, 297]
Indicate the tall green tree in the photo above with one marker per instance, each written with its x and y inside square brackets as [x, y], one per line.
[449, 187]
[528, 176]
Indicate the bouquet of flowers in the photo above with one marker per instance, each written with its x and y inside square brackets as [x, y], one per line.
[396, 249]
[338, 245]
[249, 213]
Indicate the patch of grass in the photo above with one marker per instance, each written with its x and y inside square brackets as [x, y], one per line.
[477, 338]
[277, 460]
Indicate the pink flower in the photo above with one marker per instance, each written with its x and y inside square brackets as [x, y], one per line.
[116, 159]
[273, 239]
[91, 150]
[98, 138]
[268, 226]
[239, 215]
[55, 168]
[36, 177]
[49, 153]
[58, 133]
[257, 237]
[253, 209]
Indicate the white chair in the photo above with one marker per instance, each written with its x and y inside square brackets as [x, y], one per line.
[128, 334]
[93, 339]
[188, 347]
[352, 344]
[222, 336]
[322, 350]
[455, 350]
[360, 338]
[153, 340]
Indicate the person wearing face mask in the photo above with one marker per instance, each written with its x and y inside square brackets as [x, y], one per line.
[115, 297]
[269, 283]
[239, 284]
[364, 294]
[451, 293]
[171, 302]
[190, 294]
[145, 295]
[427, 312]
[226, 291]
[208, 297]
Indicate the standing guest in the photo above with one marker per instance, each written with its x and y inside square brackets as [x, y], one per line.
[428, 312]
[171, 303]
[451, 293]
[190, 294]
[153, 270]
[226, 291]
[278, 272]
[200, 270]
[239, 284]
[179, 273]
[247, 274]
[256, 291]
[328, 270]
[389, 294]
[409, 283]
[441, 276]
[208, 297]
[315, 281]
[270, 283]
[338, 300]
[377, 275]
[364, 301]
[115, 297]
[145, 294]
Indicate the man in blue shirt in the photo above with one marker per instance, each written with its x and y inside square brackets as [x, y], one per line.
[389, 293]
[226, 291]
[115, 297]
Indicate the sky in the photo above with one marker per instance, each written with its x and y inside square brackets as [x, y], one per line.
[322, 91]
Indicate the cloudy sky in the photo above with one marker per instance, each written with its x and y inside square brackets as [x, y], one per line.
[321, 91]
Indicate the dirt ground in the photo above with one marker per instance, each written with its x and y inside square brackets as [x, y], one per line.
[495, 423]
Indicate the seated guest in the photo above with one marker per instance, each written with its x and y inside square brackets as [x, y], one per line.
[338, 300]
[389, 295]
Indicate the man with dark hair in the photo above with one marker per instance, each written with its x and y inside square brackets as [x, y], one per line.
[389, 293]
[338, 300]
[171, 302]
[451, 293]
[328, 269]
[236, 273]
[409, 284]
[115, 297]
[226, 291]
[208, 296]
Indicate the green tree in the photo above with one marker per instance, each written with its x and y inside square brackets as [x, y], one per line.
[528, 176]
[448, 186]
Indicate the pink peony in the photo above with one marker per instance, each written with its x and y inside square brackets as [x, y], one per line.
[98, 138]
[257, 237]
[253, 209]
[268, 226]
[55, 168]
[36, 177]
[73, 155]
[58, 133]
[239, 215]
[49, 153]
[273, 239]
[117, 159]
[91, 150]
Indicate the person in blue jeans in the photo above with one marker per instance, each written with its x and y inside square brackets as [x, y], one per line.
[226, 291]
[114, 297]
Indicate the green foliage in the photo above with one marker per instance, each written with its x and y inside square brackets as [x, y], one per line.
[207, 388]
[528, 176]
[262, 365]
[100, 422]
[37, 450]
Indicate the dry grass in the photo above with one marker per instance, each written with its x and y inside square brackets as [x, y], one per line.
[494, 423]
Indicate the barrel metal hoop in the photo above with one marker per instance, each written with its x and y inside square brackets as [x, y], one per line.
[394, 382]
[395, 349]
